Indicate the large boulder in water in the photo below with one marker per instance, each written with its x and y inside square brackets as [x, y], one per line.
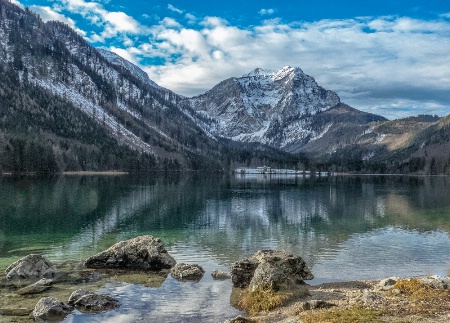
[272, 269]
[32, 267]
[141, 253]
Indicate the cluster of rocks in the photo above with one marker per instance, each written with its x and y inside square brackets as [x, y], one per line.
[35, 274]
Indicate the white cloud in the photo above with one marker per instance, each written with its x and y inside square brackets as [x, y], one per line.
[47, 14]
[191, 18]
[170, 23]
[386, 65]
[17, 3]
[128, 54]
[172, 8]
[113, 24]
[264, 12]
[394, 66]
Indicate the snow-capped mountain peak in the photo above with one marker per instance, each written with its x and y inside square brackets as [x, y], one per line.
[265, 106]
[287, 71]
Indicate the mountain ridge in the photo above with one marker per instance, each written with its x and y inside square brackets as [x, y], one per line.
[117, 118]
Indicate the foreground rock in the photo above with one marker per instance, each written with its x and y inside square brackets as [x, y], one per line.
[267, 280]
[36, 288]
[187, 272]
[32, 267]
[277, 269]
[219, 275]
[141, 253]
[87, 301]
[50, 309]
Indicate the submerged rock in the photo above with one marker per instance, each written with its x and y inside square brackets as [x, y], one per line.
[32, 267]
[219, 275]
[87, 301]
[143, 253]
[96, 303]
[14, 312]
[36, 288]
[272, 269]
[50, 309]
[185, 272]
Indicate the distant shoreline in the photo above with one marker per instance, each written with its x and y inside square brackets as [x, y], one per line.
[105, 173]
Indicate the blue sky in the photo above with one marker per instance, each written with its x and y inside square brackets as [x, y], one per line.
[387, 57]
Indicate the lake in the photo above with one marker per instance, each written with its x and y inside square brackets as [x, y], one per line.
[345, 227]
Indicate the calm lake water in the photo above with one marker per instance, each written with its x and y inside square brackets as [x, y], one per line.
[345, 227]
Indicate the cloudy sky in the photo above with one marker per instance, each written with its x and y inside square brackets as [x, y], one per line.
[390, 57]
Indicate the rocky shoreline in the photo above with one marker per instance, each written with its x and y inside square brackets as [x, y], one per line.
[269, 286]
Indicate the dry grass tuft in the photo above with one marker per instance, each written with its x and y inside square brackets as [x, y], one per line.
[416, 290]
[342, 315]
[259, 300]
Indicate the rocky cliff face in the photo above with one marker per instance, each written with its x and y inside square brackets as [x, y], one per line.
[264, 106]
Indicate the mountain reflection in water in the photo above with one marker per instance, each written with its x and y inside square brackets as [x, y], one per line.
[345, 227]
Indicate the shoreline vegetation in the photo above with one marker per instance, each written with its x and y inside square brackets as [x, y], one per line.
[405, 300]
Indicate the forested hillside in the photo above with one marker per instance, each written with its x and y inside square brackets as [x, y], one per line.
[64, 106]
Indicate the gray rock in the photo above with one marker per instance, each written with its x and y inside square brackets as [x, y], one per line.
[242, 272]
[270, 268]
[185, 272]
[76, 295]
[32, 267]
[387, 283]
[36, 288]
[219, 275]
[143, 253]
[88, 301]
[96, 303]
[50, 309]
[436, 282]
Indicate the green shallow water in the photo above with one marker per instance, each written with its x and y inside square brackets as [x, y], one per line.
[345, 228]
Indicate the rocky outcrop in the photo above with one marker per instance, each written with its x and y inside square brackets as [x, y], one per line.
[270, 268]
[186, 272]
[36, 288]
[141, 253]
[87, 301]
[32, 267]
[50, 309]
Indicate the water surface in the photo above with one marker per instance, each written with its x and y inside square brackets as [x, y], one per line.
[345, 227]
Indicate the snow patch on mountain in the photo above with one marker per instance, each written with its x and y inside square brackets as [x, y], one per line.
[117, 60]
[265, 106]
